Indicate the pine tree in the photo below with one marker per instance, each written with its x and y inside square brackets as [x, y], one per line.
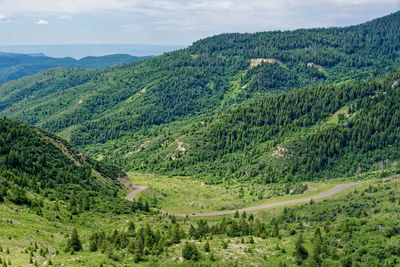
[317, 249]
[93, 245]
[74, 242]
[207, 247]
[131, 228]
[131, 246]
[146, 207]
[176, 238]
[139, 248]
[236, 214]
[190, 252]
[275, 231]
[86, 203]
[300, 252]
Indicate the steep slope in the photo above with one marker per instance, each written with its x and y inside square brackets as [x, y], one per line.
[36, 162]
[209, 76]
[14, 66]
[312, 133]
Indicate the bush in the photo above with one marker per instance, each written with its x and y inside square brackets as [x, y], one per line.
[190, 252]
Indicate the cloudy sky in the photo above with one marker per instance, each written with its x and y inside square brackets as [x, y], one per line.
[170, 22]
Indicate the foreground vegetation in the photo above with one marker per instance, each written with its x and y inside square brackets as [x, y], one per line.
[356, 228]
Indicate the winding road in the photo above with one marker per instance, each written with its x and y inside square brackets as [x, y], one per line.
[134, 190]
[336, 189]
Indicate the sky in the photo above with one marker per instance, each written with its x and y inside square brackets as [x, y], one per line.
[171, 22]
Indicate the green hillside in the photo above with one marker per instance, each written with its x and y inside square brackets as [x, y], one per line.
[306, 134]
[36, 163]
[211, 75]
[266, 149]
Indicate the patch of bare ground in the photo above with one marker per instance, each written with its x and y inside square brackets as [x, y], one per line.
[280, 152]
[181, 146]
[313, 65]
[258, 61]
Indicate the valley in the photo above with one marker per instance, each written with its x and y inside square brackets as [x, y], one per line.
[276, 148]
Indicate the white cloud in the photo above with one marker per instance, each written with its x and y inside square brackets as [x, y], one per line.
[4, 19]
[159, 6]
[41, 22]
[183, 21]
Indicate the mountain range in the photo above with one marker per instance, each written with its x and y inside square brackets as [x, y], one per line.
[298, 128]
[14, 66]
[135, 113]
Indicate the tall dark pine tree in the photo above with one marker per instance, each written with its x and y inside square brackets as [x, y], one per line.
[299, 250]
[75, 242]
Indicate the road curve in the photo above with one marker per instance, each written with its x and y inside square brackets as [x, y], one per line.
[134, 190]
[331, 192]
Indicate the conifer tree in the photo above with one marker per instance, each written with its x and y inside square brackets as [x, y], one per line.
[74, 242]
[300, 252]
[139, 248]
[207, 247]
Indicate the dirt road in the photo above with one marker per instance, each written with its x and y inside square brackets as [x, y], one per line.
[331, 192]
[134, 189]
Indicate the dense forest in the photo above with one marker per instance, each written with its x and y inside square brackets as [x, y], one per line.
[35, 161]
[211, 75]
[312, 133]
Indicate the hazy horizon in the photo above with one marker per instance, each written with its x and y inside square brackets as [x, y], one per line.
[78, 51]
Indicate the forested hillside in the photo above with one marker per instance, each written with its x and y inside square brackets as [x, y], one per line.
[211, 75]
[313, 133]
[34, 162]
[14, 66]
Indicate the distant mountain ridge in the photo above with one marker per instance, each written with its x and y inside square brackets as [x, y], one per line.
[14, 66]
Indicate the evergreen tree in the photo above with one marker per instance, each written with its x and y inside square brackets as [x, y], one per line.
[176, 238]
[317, 246]
[207, 247]
[139, 248]
[131, 246]
[146, 207]
[236, 214]
[190, 252]
[74, 242]
[131, 228]
[299, 250]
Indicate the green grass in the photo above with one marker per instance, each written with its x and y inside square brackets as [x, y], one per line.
[186, 195]
[20, 227]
